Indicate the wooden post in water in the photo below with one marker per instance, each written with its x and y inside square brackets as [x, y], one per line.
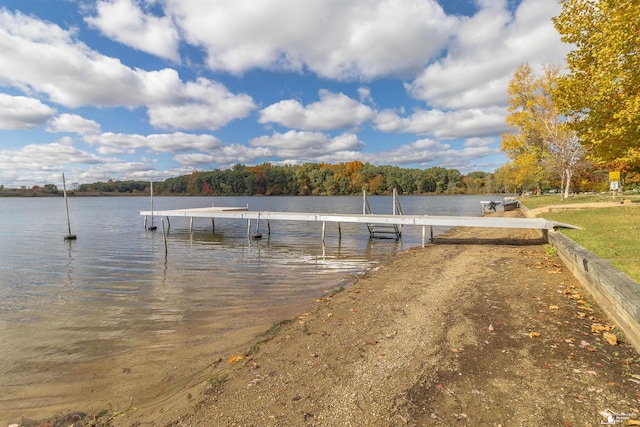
[257, 234]
[152, 227]
[164, 235]
[68, 236]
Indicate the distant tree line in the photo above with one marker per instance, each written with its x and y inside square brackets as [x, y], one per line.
[308, 179]
[322, 179]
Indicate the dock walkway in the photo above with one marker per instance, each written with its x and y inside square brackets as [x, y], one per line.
[416, 220]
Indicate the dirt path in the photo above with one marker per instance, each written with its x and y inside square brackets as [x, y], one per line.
[483, 328]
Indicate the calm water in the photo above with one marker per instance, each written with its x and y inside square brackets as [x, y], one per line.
[74, 315]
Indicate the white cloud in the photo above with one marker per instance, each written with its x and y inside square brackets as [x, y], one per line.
[440, 124]
[21, 112]
[52, 62]
[45, 157]
[115, 169]
[365, 95]
[429, 152]
[227, 155]
[358, 39]
[333, 111]
[114, 143]
[124, 21]
[73, 123]
[488, 48]
[307, 145]
[201, 105]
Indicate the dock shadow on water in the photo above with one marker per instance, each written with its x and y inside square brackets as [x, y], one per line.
[108, 323]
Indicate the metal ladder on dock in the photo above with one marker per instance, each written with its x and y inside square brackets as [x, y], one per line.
[383, 231]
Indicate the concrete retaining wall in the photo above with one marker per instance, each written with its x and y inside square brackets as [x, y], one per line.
[615, 292]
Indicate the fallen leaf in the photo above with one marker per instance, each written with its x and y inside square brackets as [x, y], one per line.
[599, 327]
[491, 328]
[611, 338]
[235, 359]
[534, 334]
[632, 423]
[554, 307]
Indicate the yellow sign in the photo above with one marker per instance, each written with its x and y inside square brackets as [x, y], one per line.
[614, 176]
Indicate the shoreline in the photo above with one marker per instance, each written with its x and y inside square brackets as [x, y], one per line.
[483, 327]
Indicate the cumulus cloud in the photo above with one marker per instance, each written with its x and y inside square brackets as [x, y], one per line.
[45, 157]
[486, 51]
[202, 104]
[227, 155]
[429, 152]
[114, 143]
[307, 145]
[21, 112]
[333, 111]
[125, 22]
[73, 123]
[440, 124]
[53, 63]
[359, 39]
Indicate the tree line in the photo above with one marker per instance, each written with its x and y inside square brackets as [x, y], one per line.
[324, 179]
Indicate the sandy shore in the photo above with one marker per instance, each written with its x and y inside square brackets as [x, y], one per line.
[482, 328]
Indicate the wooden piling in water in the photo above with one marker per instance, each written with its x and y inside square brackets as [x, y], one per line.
[151, 227]
[66, 203]
[164, 235]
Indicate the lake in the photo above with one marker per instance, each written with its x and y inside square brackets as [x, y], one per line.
[109, 318]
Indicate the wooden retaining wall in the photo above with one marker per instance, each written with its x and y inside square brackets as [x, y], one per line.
[615, 292]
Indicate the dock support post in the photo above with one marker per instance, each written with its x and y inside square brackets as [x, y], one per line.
[164, 235]
[145, 222]
[213, 225]
[339, 231]
[323, 230]
[268, 228]
[431, 233]
[191, 225]
[364, 201]
[395, 203]
[168, 224]
[257, 234]
[424, 234]
[249, 227]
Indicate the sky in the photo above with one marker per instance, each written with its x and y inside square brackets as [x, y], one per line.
[152, 89]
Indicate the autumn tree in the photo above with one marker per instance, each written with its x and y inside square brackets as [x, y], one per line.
[539, 142]
[601, 92]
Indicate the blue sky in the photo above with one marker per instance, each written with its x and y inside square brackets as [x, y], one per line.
[150, 89]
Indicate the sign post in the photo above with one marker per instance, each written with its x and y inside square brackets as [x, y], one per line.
[614, 182]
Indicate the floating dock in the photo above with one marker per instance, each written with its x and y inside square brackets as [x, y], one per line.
[369, 219]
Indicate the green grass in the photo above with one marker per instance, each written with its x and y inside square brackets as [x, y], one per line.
[612, 234]
[533, 202]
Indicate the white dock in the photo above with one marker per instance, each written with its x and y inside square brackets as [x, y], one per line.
[417, 220]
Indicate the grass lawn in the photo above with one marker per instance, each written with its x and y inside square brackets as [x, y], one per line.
[611, 233]
[533, 202]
